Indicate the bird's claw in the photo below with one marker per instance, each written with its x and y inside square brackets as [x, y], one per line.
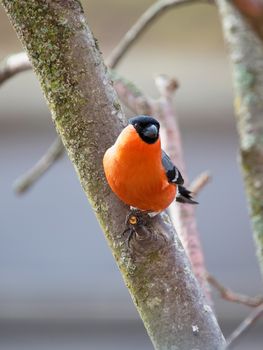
[133, 220]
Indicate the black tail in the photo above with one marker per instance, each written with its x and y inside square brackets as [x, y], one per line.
[184, 196]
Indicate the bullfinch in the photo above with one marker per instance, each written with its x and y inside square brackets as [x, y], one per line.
[139, 172]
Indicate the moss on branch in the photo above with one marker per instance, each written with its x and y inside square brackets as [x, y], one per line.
[246, 54]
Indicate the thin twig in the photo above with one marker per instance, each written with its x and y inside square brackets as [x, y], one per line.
[144, 21]
[54, 152]
[245, 326]
[171, 137]
[14, 64]
[183, 216]
[11, 66]
[231, 296]
[200, 182]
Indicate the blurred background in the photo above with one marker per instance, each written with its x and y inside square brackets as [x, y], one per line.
[59, 285]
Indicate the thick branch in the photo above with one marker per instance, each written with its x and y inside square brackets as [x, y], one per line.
[88, 117]
[246, 54]
[146, 19]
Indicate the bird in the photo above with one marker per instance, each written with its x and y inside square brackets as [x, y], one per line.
[139, 172]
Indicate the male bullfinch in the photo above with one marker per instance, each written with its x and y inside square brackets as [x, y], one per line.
[139, 172]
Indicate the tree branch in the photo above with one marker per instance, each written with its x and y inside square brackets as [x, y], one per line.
[55, 151]
[245, 326]
[231, 296]
[13, 65]
[183, 216]
[88, 117]
[246, 54]
[140, 26]
[200, 182]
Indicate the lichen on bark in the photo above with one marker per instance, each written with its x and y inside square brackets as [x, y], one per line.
[246, 54]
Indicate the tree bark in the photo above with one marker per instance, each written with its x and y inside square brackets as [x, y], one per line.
[88, 117]
[244, 41]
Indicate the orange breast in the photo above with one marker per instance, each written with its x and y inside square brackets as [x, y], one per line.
[135, 173]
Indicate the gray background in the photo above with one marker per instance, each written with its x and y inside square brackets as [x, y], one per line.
[59, 285]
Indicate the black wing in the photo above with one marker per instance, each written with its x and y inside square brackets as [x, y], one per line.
[172, 173]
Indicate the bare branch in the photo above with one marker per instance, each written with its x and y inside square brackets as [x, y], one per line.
[166, 86]
[245, 326]
[200, 182]
[55, 151]
[13, 65]
[231, 296]
[171, 138]
[183, 216]
[145, 20]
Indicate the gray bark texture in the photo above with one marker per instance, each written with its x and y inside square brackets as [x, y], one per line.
[243, 36]
[88, 117]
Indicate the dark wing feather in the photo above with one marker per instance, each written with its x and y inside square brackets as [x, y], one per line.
[172, 173]
[184, 196]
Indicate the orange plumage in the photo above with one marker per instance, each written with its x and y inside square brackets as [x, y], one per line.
[134, 169]
[134, 172]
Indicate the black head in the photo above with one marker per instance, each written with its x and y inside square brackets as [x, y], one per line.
[146, 127]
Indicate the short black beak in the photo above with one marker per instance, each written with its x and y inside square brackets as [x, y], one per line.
[151, 131]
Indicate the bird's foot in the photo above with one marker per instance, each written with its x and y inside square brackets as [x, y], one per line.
[134, 220]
